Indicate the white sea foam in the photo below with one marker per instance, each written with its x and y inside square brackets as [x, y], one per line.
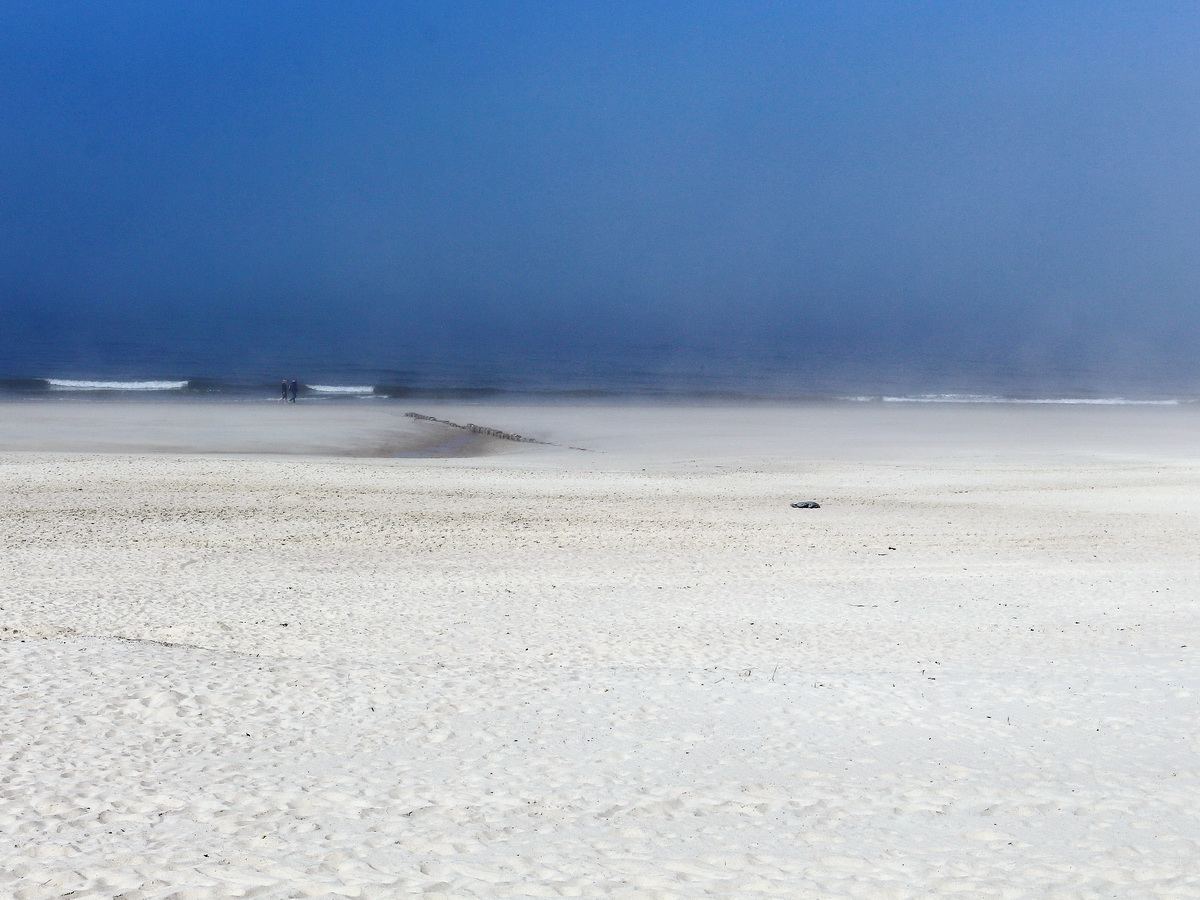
[341, 389]
[985, 398]
[66, 384]
[1102, 401]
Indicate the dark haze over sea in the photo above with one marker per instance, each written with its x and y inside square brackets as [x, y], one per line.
[686, 198]
[144, 366]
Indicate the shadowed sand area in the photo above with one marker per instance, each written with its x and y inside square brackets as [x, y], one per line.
[631, 670]
[629, 433]
[229, 428]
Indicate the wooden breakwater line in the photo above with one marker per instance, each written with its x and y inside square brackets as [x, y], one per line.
[485, 431]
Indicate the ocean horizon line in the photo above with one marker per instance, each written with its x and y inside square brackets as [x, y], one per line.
[326, 390]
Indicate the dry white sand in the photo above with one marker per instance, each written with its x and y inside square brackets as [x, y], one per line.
[628, 671]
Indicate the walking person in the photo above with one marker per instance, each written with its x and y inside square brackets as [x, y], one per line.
[292, 388]
[283, 390]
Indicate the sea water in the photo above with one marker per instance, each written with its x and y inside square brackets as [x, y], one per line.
[362, 368]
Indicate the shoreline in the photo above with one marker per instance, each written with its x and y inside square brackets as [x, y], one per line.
[761, 434]
[551, 391]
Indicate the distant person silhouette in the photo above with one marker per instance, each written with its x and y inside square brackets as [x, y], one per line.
[292, 388]
[283, 390]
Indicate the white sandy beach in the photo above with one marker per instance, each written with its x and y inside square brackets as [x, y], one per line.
[250, 652]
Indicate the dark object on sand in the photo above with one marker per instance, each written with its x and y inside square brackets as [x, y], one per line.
[806, 504]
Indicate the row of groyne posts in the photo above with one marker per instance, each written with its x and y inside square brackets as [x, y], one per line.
[481, 429]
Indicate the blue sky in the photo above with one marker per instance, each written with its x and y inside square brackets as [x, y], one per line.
[876, 174]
